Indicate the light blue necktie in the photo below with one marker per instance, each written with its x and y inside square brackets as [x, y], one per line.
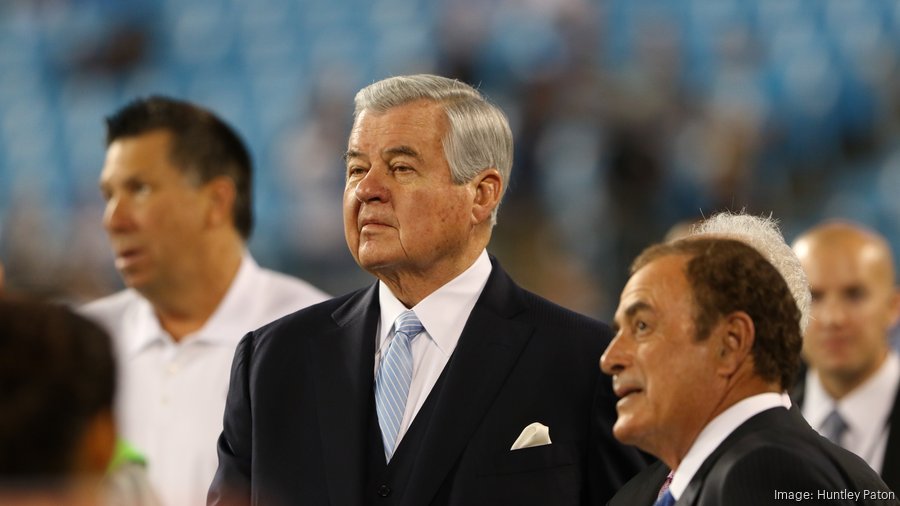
[393, 379]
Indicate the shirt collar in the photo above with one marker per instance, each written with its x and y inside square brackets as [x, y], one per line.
[444, 312]
[144, 326]
[864, 410]
[717, 430]
[218, 329]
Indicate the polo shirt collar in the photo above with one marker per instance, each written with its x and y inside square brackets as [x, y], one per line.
[219, 329]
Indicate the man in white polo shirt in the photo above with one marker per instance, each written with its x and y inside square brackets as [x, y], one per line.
[177, 184]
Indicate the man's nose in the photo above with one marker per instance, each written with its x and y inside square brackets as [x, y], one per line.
[372, 187]
[613, 359]
[831, 312]
[116, 215]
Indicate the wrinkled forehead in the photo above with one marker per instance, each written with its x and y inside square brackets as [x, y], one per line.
[660, 285]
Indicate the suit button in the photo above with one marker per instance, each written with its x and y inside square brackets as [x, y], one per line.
[384, 490]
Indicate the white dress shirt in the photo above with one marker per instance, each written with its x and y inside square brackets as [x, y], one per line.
[716, 431]
[171, 395]
[443, 314]
[865, 410]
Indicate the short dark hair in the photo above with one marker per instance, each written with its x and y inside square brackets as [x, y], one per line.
[203, 146]
[726, 275]
[57, 372]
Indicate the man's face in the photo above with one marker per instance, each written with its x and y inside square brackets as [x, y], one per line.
[665, 378]
[853, 305]
[402, 212]
[154, 215]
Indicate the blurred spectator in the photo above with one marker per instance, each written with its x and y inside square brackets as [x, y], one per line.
[850, 392]
[630, 115]
[310, 174]
[177, 184]
[57, 433]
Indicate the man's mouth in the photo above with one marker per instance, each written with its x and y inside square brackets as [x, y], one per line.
[126, 257]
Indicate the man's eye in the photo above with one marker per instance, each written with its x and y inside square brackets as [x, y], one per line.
[138, 187]
[355, 171]
[855, 294]
[402, 168]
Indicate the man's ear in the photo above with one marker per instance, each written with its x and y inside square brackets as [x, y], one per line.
[488, 186]
[222, 194]
[894, 309]
[736, 334]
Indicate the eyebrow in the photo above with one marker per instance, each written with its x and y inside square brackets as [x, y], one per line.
[402, 150]
[637, 306]
[392, 151]
[351, 153]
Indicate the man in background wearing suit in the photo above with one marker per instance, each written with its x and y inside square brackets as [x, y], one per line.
[177, 185]
[850, 392]
[708, 339]
[438, 384]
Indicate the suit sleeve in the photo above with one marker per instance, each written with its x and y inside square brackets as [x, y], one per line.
[232, 483]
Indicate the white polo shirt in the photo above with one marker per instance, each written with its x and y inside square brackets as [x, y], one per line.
[171, 395]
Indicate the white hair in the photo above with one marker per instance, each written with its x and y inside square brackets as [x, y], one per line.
[479, 136]
[763, 234]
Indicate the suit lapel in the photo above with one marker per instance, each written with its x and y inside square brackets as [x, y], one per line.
[890, 468]
[343, 360]
[643, 489]
[486, 353]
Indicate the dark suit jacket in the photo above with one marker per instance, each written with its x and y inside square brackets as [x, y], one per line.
[890, 468]
[296, 418]
[775, 450]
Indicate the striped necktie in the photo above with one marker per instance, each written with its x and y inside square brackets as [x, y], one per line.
[393, 379]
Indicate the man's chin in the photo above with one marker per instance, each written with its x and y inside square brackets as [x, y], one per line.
[135, 280]
[375, 261]
[624, 430]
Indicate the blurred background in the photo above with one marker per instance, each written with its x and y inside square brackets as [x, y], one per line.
[630, 117]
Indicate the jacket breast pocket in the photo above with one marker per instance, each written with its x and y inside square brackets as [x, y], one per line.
[536, 458]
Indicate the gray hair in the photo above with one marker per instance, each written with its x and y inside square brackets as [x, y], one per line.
[479, 136]
[763, 235]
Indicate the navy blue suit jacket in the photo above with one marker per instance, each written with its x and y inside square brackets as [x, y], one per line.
[775, 450]
[296, 418]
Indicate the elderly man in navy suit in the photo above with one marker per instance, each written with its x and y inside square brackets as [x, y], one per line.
[443, 383]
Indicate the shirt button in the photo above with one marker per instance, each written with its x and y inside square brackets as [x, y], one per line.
[384, 490]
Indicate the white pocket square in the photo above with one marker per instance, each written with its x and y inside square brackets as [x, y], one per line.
[536, 434]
